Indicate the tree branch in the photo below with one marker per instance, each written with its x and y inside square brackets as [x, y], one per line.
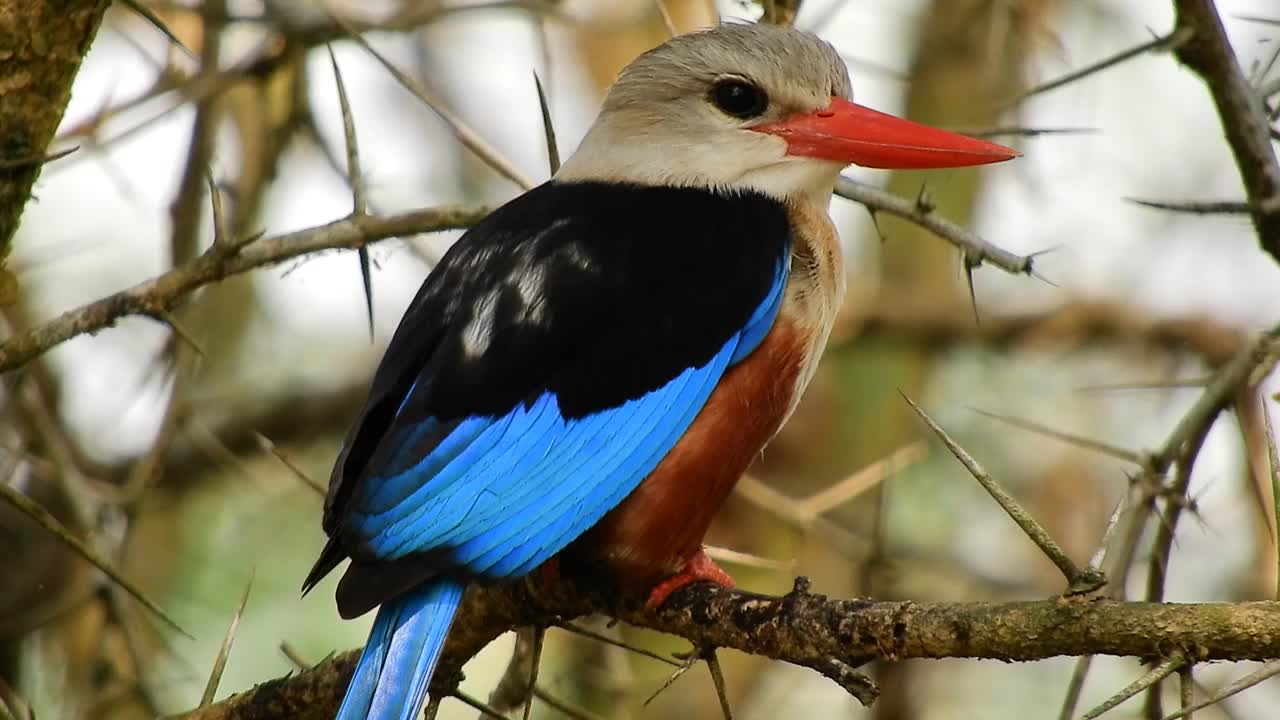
[158, 295]
[41, 46]
[818, 632]
[1244, 119]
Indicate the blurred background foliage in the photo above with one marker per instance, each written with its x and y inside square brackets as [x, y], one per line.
[169, 446]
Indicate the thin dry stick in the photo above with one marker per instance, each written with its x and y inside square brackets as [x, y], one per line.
[294, 656]
[571, 711]
[747, 559]
[1273, 463]
[1081, 670]
[355, 178]
[468, 137]
[539, 634]
[787, 509]
[1069, 438]
[1173, 506]
[977, 251]
[863, 480]
[666, 18]
[1244, 683]
[1075, 687]
[484, 709]
[1183, 445]
[164, 291]
[1186, 689]
[717, 679]
[512, 689]
[1164, 669]
[220, 662]
[1164, 42]
[265, 443]
[1258, 357]
[12, 705]
[681, 670]
[1078, 581]
[1241, 110]
[33, 510]
[548, 130]
[579, 630]
[1220, 207]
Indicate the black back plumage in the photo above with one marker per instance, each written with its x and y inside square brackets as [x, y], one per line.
[597, 292]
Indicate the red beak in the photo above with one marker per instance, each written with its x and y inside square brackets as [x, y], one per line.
[850, 133]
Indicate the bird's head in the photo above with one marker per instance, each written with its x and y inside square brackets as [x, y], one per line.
[752, 107]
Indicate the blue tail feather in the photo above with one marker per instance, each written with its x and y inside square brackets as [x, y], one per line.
[390, 681]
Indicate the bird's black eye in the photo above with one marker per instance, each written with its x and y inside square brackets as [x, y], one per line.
[739, 98]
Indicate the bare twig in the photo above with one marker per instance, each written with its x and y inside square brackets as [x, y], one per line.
[1164, 42]
[1208, 53]
[977, 251]
[1219, 207]
[814, 631]
[1078, 675]
[1069, 438]
[1078, 581]
[295, 657]
[1186, 689]
[164, 291]
[1164, 669]
[548, 130]
[1266, 671]
[573, 712]
[224, 651]
[355, 178]
[468, 137]
[1273, 466]
[717, 679]
[42, 517]
[485, 709]
[579, 630]
[845, 490]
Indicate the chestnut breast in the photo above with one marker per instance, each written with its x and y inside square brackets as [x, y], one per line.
[660, 525]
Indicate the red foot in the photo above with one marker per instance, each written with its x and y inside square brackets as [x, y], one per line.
[699, 568]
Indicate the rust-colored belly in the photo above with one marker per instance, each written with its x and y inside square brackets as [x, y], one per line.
[659, 526]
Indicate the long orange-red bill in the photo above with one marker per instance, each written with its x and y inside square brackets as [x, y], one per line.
[851, 133]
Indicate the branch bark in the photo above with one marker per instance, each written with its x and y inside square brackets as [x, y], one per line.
[1208, 53]
[41, 45]
[814, 631]
[155, 297]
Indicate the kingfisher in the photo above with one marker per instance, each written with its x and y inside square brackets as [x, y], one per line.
[587, 371]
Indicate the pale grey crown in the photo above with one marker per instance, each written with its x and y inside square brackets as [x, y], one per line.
[799, 71]
[660, 126]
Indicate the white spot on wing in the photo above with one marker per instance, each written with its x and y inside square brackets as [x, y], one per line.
[478, 333]
[576, 257]
[530, 286]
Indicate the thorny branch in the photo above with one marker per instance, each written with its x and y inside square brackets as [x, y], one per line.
[1240, 107]
[831, 636]
[156, 296]
[825, 634]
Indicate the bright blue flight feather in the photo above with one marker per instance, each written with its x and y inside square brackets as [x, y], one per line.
[503, 494]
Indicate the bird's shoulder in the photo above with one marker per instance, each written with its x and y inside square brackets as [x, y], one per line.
[594, 292]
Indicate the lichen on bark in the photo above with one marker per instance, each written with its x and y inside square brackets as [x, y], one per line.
[42, 43]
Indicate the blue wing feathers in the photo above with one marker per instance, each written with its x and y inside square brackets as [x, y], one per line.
[393, 672]
[761, 320]
[491, 465]
[506, 493]
[583, 511]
